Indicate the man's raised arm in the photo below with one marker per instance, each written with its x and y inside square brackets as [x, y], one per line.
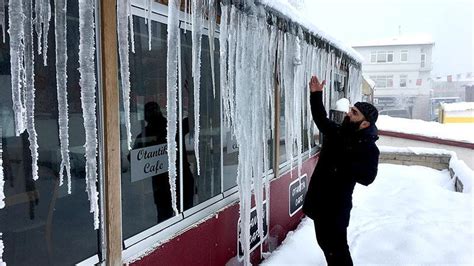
[318, 111]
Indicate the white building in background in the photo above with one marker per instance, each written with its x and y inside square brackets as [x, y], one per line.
[401, 68]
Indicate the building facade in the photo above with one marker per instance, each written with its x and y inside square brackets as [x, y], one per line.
[401, 68]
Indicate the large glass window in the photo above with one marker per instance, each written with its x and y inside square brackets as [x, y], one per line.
[41, 223]
[208, 182]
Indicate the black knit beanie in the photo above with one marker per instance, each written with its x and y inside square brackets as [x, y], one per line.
[368, 110]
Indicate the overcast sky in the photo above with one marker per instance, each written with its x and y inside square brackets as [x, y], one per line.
[450, 23]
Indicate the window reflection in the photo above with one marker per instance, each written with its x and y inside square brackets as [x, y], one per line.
[41, 223]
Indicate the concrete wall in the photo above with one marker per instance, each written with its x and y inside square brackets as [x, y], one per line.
[436, 161]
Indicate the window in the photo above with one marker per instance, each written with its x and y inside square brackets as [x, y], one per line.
[383, 56]
[403, 81]
[373, 57]
[390, 56]
[423, 60]
[383, 81]
[41, 223]
[404, 56]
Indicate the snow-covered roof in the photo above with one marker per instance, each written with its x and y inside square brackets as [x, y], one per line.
[460, 106]
[369, 81]
[285, 8]
[398, 40]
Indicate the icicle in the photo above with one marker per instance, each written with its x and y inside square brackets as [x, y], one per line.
[223, 38]
[172, 94]
[122, 32]
[148, 21]
[61, 81]
[2, 263]
[130, 18]
[16, 31]
[29, 82]
[212, 28]
[197, 19]
[88, 84]
[2, 181]
[41, 22]
[2, 18]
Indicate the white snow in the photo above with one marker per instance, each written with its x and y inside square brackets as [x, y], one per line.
[60, 7]
[88, 84]
[290, 11]
[409, 215]
[421, 38]
[458, 132]
[460, 106]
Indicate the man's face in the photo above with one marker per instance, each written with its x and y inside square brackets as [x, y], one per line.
[354, 119]
[355, 115]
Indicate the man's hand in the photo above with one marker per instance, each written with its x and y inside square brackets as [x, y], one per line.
[315, 85]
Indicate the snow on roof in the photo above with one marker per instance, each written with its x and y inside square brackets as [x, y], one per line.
[369, 81]
[398, 40]
[285, 8]
[460, 106]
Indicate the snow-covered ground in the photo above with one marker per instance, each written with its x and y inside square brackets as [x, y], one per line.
[460, 132]
[409, 215]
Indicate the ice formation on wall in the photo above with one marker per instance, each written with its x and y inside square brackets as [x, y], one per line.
[197, 9]
[42, 19]
[172, 94]
[247, 90]
[60, 26]
[123, 16]
[88, 99]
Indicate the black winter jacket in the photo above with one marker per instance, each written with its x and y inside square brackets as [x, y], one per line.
[345, 158]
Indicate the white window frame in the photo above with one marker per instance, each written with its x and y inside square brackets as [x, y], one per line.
[382, 56]
[382, 81]
[403, 52]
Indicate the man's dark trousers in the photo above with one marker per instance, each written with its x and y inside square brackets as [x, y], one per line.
[333, 241]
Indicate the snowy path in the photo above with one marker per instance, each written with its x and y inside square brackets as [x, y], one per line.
[409, 215]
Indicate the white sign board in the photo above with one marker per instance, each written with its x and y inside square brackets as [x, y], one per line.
[148, 161]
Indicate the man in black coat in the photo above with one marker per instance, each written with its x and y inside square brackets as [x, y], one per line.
[348, 155]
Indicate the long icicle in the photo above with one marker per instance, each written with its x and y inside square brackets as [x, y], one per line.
[197, 19]
[16, 32]
[60, 7]
[29, 81]
[122, 29]
[172, 94]
[88, 84]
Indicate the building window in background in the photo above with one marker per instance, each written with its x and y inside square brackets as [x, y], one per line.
[423, 60]
[383, 81]
[373, 57]
[403, 81]
[404, 56]
[384, 56]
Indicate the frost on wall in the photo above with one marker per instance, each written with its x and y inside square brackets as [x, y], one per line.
[123, 19]
[60, 7]
[88, 84]
[172, 94]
